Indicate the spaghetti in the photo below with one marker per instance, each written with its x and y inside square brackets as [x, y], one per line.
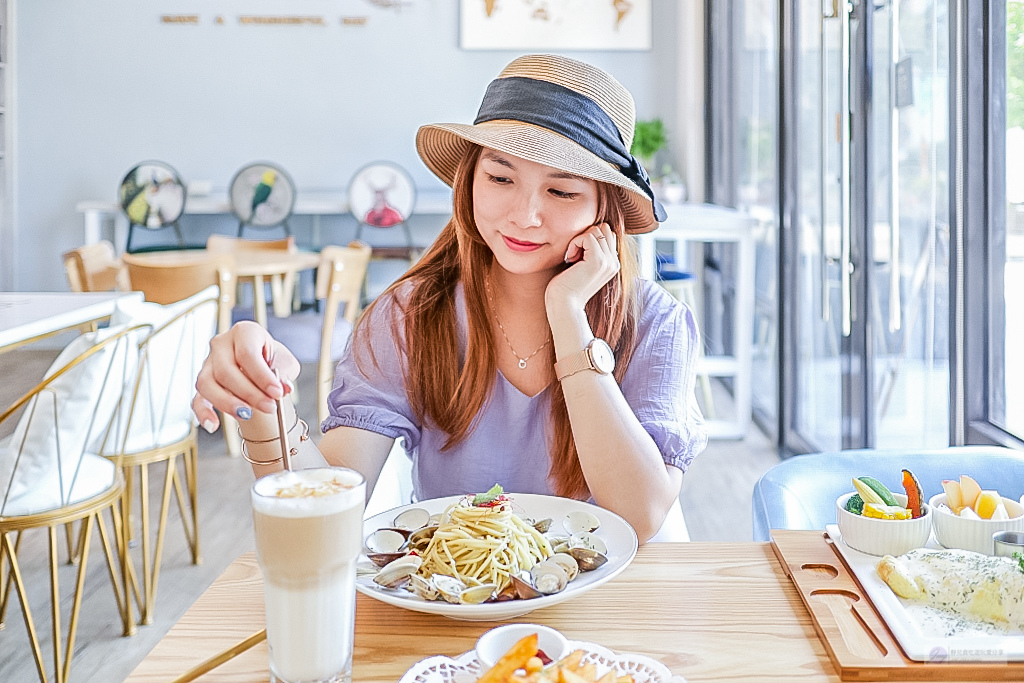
[483, 545]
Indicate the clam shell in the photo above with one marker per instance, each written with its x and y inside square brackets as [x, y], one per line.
[396, 573]
[566, 562]
[413, 518]
[383, 559]
[474, 595]
[420, 539]
[524, 588]
[448, 587]
[589, 541]
[422, 587]
[385, 540]
[542, 525]
[588, 559]
[548, 577]
[580, 521]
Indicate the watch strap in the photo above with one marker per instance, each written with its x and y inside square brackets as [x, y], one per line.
[577, 362]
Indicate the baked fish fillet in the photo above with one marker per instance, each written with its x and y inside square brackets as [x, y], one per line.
[970, 584]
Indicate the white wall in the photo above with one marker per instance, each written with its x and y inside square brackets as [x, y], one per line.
[103, 84]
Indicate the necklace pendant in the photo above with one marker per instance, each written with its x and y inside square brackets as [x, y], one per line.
[522, 363]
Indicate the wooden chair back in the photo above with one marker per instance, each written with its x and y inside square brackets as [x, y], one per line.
[340, 278]
[222, 244]
[95, 268]
[165, 282]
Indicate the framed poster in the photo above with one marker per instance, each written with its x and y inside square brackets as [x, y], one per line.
[555, 24]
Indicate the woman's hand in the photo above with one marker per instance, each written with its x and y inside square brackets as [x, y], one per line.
[594, 256]
[238, 375]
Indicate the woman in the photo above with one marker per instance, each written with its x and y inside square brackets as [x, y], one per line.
[522, 348]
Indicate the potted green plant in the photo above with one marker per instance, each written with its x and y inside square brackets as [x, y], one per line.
[648, 139]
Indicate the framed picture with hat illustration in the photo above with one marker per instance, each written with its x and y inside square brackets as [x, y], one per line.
[555, 25]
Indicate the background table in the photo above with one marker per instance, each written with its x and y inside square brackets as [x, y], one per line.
[26, 317]
[708, 611]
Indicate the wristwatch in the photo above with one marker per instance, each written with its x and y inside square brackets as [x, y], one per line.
[597, 356]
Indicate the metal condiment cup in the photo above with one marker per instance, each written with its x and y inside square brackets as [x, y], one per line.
[1008, 542]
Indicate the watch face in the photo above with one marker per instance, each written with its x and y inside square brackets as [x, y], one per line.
[601, 353]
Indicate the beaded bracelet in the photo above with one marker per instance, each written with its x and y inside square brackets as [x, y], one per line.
[293, 451]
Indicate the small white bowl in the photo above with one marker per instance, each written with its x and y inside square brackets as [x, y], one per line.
[954, 531]
[496, 642]
[882, 536]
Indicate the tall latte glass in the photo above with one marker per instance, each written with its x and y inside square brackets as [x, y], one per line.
[308, 526]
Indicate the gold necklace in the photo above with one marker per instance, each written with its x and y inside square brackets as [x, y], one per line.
[522, 361]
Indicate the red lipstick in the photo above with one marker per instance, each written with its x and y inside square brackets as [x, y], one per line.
[519, 245]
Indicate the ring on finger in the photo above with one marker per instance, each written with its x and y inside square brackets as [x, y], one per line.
[600, 236]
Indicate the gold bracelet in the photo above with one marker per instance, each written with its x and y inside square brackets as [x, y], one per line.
[293, 451]
[273, 438]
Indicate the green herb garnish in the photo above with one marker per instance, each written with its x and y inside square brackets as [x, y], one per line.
[1020, 560]
[489, 497]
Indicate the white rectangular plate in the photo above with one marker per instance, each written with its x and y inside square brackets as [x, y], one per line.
[927, 634]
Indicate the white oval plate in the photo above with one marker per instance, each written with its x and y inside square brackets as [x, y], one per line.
[616, 532]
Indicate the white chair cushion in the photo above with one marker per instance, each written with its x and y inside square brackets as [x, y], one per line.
[163, 408]
[95, 476]
[46, 456]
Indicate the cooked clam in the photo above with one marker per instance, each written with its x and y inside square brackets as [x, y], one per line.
[448, 587]
[523, 587]
[542, 525]
[420, 539]
[587, 559]
[386, 540]
[383, 559]
[589, 541]
[422, 587]
[397, 573]
[548, 577]
[580, 521]
[413, 518]
[566, 562]
[474, 595]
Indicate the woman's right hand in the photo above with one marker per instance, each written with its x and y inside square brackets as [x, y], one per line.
[238, 375]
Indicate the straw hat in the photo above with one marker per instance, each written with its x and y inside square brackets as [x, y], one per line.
[559, 112]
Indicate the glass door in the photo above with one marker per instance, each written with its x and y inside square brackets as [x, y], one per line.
[869, 214]
[821, 185]
[909, 166]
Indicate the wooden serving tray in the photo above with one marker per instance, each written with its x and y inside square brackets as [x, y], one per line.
[854, 635]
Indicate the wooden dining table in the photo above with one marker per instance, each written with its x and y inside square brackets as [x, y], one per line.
[708, 611]
[277, 266]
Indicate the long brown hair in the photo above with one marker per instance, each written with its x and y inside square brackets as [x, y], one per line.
[448, 392]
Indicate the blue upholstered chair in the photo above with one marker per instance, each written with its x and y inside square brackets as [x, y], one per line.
[800, 493]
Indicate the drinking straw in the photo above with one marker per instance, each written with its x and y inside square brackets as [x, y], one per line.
[286, 457]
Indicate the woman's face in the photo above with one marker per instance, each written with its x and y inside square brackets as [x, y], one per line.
[527, 212]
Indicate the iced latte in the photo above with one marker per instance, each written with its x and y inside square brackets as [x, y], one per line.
[308, 526]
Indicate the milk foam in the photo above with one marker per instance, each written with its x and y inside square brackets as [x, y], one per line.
[272, 492]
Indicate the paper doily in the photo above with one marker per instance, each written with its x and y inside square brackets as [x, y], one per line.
[466, 669]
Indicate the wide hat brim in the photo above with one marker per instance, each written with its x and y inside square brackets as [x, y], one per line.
[443, 145]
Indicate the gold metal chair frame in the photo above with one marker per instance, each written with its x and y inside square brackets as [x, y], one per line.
[121, 575]
[187, 497]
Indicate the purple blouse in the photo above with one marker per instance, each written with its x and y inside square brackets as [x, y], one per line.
[509, 444]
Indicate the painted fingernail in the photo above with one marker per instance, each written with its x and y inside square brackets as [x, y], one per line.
[209, 426]
[243, 413]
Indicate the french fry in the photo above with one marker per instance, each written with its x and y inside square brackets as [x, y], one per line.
[572, 660]
[627, 678]
[609, 677]
[588, 672]
[566, 675]
[511, 661]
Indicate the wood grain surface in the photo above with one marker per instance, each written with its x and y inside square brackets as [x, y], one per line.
[859, 644]
[708, 611]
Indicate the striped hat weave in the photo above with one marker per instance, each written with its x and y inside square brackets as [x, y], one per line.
[559, 112]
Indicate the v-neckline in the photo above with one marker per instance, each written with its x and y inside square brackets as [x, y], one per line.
[520, 391]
